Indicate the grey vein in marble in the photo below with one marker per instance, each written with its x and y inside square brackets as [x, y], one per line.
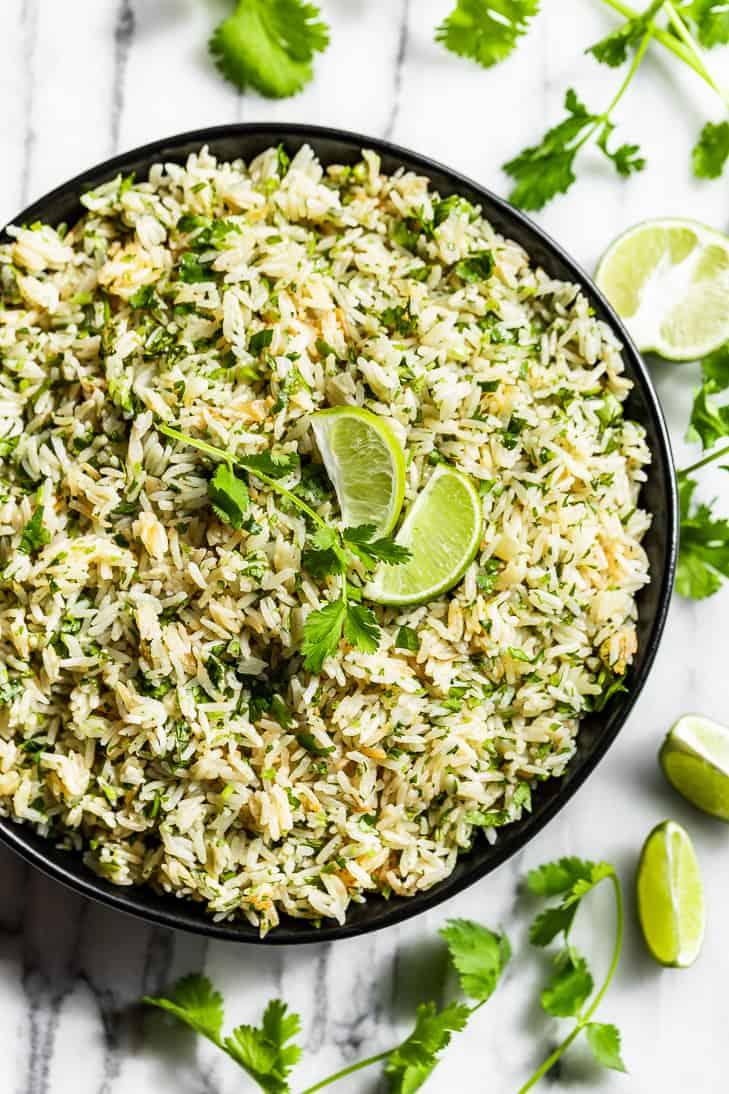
[402, 46]
[123, 38]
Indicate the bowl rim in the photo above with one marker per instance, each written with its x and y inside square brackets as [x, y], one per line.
[184, 914]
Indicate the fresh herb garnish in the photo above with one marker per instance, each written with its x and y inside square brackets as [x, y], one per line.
[547, 169]
[268, 1052]
[485, 30]
[269, 45]
[703, 559]
[477, 267]
[570, 987]
[259, 341]
[407, 639]
[35, 534]
[330, 553]
[228, 496]
[711, 151]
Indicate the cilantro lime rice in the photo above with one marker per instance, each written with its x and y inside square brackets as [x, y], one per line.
[156, 715]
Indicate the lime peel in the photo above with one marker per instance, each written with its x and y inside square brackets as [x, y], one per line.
[695, 759]
[671, 896]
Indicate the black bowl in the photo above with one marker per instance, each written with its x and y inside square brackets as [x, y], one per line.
[597, 732]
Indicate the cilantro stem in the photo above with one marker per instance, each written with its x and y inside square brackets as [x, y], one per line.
[367, 1062]
[691, 44]
[584, 1018]
[222, 455]
[703, 462]
[348, 1071]
[635, 65]
[688, 53]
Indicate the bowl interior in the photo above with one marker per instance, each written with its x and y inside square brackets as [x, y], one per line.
[659, 497]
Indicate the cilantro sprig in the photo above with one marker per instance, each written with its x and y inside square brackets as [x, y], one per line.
[264, 1051]
[268, 1052]
[703, 560]
[569, 992]
[331, 552]
[547, 169]
[543, 171]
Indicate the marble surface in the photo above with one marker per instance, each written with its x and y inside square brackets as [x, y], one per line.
[81, 79]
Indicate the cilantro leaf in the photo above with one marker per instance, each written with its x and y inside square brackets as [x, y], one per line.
[276, 465]
[269, 45]
[703, 556]
[545, 170]
[612, 683]
[569, 988]
[321, 564]
[407, 639]
[228, 496]
[259, 341]
[399, 320]
[711, 19]
[476, 267]
[410, 1064]
[554, 878]
[573, 878]
[478, 954]
[359, 541]
[711, 151]
[708, 422]
[626, 158]
[192, 270]
[614, 49]
[604, 1041]
[310, 743]
[715, 367]
[486, 30]
[325, 555]
[263, 1052]
[583, 885]
[361, 629]
[34, 535]
[194, 1002]
[551, 922]
[322, 632]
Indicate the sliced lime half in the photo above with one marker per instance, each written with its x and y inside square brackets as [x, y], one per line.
[442, 530]
[669, 280]
[365, 462]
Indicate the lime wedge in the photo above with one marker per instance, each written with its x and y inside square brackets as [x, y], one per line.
[442, 530]
[365, 462]
[671, 896]
[669, 280]
[695, 760]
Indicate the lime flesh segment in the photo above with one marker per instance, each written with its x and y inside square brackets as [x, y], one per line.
[365, 462]
[669, 280]
[442, 530]
[695, 760]
[671, 896]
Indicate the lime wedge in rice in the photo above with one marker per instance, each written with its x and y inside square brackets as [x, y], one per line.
[365, 462]
[695, 760]
[442, 530]
[671, 896]
[669, 280]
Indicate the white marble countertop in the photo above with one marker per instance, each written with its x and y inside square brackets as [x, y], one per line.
[82, 79]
